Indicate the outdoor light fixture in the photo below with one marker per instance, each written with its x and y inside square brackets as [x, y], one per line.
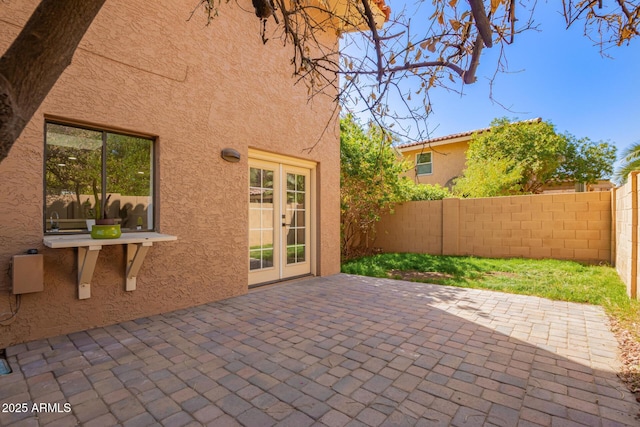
[230, 155]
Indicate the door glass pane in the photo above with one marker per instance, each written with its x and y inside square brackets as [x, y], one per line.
[267, 258]
[291, 255]
[291, 237]
[267, 196]
[267, 238]
[255, 216]
[255, 242]
[267, 180]
[254, 177]
[254, 260]
[296, 210]
[261, 215]
[267, 218]
[291, 181]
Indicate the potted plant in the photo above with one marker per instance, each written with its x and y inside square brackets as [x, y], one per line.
[101, 214]
[105, 227]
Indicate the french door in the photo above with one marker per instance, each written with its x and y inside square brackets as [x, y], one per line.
[279, 221]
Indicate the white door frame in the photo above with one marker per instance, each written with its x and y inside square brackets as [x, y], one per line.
[281, 165]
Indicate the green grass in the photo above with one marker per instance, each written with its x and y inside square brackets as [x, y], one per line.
[553, 279]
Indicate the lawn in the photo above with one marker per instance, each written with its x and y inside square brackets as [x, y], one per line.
[553, 279]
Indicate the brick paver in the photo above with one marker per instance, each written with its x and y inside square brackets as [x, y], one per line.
[336, 351]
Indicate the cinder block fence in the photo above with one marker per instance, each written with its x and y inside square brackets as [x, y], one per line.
[625, 219]
[598, 227]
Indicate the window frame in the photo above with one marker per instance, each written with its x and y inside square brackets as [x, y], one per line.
[154, 193]
[418, 163]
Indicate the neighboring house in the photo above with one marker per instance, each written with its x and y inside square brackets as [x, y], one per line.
[438, 160]
[442, 160]
[164, 99]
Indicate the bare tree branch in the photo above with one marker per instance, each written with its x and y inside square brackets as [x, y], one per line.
[470, 75]
[482, 22]
[36, 59]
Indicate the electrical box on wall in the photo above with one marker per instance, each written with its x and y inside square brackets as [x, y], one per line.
[27, 273]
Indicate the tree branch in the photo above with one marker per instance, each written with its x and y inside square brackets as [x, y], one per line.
[36, 59]
[410, 66]
[470, 75]
[482, 22]
[376, 38]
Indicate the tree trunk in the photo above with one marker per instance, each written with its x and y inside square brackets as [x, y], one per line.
[36, 59]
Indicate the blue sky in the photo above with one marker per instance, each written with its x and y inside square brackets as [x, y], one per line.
[556, 74]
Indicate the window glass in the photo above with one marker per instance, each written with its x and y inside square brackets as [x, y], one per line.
[86, 169]
[261, 216]
[424, 166]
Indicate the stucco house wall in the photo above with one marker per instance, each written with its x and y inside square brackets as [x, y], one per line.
[448, 162]
[448, 154]
[196, 89]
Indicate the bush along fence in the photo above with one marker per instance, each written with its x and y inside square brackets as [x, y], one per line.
[596, 227]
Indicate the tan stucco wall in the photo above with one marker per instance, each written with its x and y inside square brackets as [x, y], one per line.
[198, 89]
[561, 226]
[448, 162]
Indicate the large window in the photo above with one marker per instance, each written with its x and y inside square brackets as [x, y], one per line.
[424, 165]
[91, 172]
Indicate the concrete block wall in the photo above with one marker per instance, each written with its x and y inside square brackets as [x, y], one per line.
[573, 226]
[626, 233]
[412, 227]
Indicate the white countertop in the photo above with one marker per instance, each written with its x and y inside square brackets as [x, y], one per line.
[85, 240]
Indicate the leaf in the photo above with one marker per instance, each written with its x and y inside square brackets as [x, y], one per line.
[452, 3]
[418, 55]
[455, 24]
[424, 44]
[432, 47]
[494, 5]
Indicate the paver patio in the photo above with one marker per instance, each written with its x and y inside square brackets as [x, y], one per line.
[334, 351]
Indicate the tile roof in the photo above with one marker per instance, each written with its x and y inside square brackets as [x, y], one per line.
[457, 135]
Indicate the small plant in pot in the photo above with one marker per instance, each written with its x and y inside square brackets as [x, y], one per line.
[105, 227]
[104, 219]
